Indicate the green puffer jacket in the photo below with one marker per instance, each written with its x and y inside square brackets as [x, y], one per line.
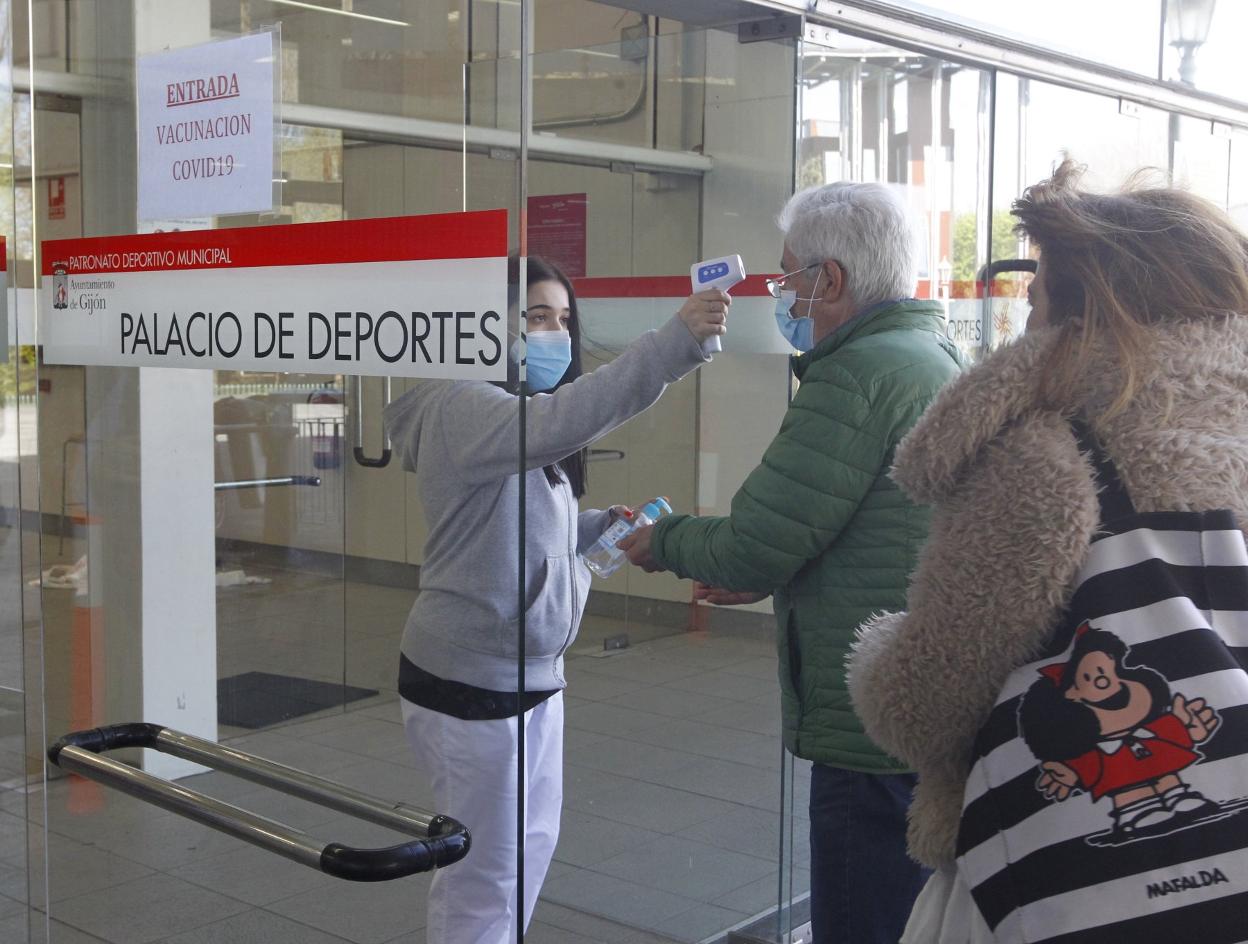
[821, 525]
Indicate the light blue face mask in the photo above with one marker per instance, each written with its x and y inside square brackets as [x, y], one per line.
[549, 354]
[799, 331]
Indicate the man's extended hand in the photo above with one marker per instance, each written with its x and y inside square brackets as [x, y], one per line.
[722, 597]
[637, 547]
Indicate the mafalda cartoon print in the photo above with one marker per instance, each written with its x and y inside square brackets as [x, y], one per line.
[1111, 729]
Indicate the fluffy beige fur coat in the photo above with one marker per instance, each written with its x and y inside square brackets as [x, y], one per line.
[1014, 511]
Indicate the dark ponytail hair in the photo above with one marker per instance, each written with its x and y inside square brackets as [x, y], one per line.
[572, 468]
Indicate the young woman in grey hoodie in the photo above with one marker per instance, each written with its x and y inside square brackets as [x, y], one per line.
[459, 678]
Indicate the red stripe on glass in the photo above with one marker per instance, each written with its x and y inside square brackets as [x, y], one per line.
[659, 286]
[477, 235]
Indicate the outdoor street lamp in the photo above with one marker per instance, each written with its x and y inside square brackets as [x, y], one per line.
[1187, 23]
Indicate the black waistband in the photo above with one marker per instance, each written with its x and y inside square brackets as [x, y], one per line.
[467, 702]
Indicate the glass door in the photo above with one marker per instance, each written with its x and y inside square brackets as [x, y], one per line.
[673, 804]
[227, 552]
[18, 608]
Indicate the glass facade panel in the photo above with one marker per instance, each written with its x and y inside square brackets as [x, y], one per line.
[1121, 33]
[226, 551]
[880, 114]
[19, 610]
[1215, 64]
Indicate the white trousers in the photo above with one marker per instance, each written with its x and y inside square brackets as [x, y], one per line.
[473, 767]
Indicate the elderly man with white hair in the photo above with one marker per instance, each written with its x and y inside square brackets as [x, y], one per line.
[821, 526]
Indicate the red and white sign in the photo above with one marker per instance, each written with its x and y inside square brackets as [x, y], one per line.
[557, 230]
[414, 296]
[56, 198]
[207, 136]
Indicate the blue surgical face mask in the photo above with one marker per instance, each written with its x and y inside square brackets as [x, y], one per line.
[799, 330]
[548, 357]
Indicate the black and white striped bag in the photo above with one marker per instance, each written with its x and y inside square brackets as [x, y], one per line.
[1108, 802]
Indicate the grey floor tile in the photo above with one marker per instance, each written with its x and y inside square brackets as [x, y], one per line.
[746, 716]
[575, 737]
[255, 927]
[387, 781]
[61, 933]
[589, 685]
[585, 783]
[762, 895]
[12, 831]
[220, 786]
[587, 926]
[292, 811]
[77, 868]
[252, 875]
[368, 737]
[148, 909]
[615, 899]
[586, 840]
[652, 807]
[724, 683]
[11, 906]
[697, 924]
[164, 841]
[14, 882]
[318, 723]
[362, 913]
[383, 707]
[671, 701]
[751, 832]
[703, 739]
[684, 867]
[761, 667]
[14, 929]
[601, 718]
[627, 758]
[541, 933]
[642, 667]
[720, 779]
[295, 752]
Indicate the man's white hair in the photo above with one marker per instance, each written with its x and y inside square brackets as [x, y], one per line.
[867, 228]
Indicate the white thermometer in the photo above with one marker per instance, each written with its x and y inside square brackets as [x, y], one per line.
[722, 273]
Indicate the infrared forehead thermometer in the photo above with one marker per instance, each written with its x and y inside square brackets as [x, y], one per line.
[723, 274]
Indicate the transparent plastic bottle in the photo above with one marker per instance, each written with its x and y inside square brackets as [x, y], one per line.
[604, 558]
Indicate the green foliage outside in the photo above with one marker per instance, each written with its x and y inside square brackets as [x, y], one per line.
[17, 373]
[966, 264]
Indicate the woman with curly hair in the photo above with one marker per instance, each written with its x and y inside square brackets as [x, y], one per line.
[1137, 331]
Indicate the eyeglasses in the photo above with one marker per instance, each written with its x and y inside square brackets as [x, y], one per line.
[776, 286]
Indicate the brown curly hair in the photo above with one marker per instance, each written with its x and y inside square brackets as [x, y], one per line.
[1117, 263]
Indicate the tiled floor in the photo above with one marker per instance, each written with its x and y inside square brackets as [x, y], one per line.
[672, 810]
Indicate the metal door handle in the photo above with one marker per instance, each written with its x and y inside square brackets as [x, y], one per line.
[604, 455]
[442, 841]
[384, 459]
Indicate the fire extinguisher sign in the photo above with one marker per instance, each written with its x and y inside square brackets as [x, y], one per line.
[413, 296]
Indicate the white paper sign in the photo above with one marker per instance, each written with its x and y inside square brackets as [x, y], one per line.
[206, 128]
[416, 296]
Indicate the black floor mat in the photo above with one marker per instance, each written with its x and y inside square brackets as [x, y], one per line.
[259, 699]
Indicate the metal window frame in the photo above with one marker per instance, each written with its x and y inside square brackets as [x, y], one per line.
[964, 43]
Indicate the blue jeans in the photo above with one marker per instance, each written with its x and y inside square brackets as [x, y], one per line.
[862, 883]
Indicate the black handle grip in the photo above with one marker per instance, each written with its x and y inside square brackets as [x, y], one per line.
[379, 463]
[449, 844]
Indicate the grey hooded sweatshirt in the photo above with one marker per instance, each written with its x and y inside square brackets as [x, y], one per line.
[463, 439]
